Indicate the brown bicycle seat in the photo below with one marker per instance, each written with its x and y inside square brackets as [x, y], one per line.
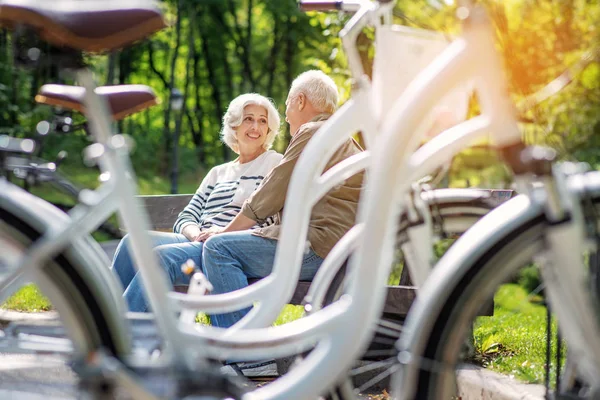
[91, 25]
[123, 100]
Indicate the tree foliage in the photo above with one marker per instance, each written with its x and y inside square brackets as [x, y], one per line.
[215, 50]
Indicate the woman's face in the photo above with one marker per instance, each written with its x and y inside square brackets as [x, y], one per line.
[252, 133]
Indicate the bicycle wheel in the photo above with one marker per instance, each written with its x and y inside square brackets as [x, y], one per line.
[432, 346]
[453, 212]
[84, 317]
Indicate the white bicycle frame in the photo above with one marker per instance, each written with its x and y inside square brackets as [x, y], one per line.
[184, 341]
[337, 334]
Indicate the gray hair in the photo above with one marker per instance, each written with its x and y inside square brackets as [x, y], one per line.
[318, 88]
[235, 113]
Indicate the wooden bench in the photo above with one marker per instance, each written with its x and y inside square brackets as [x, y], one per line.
[163, 211]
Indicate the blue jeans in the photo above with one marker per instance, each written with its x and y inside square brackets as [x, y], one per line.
[229, 259]
[171, 249]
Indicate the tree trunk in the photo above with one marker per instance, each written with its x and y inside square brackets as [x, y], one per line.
[212, 78]
[289, 58]
[14, 100]
[198, 109]
[248, 50]
[197, 134]
[171, 85]
[153, 68]
[272, 65]
[243, 46]
[111, 64]
[290, 50]
[184, 109]
[226, 34]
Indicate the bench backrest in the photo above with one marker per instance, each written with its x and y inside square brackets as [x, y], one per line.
[164, 209]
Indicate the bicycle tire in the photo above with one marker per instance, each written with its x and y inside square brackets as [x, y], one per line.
[431, 348]
[83, 316]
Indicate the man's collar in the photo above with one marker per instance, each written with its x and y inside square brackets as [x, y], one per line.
[320, 117]
[316, 118]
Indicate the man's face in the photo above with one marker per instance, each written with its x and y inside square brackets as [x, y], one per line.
[292, 113]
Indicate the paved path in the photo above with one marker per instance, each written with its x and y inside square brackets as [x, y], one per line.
[36, 377]
[31, 377]
[47, 377]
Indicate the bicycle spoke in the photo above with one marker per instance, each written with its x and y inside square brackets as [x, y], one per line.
[372, 366]
[391, 325]
[379, 353]
[425, 364]
[378, 378]
[388, 332]
[388, 342]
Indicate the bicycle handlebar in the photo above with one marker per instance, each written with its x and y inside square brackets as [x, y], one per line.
[320, 5]
[15, 145]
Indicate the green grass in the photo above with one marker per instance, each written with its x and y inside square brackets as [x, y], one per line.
[513, 340]
[288, 314]
[28, 299]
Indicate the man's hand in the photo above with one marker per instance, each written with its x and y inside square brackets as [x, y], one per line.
[205, 234]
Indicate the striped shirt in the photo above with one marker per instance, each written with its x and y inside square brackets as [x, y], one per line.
[223, 191]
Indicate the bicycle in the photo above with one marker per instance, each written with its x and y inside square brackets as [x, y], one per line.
[329, 357]
[430, 152]
[115, 344]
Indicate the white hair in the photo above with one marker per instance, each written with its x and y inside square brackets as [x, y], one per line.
[234, 115]
[318, 88]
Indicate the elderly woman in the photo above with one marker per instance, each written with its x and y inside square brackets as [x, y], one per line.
[250, 126]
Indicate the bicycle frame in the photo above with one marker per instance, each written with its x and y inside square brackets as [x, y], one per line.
[337, 333]
[366, 290]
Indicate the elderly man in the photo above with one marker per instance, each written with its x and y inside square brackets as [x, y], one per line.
[236, 254]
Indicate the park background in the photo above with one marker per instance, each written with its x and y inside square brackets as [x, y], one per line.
[215, 50]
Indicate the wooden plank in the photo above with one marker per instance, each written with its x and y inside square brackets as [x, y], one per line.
[163, 209]
[499, 196]
[399, 299]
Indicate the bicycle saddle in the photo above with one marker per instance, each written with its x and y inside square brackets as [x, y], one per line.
[123, 100]
[91, 26]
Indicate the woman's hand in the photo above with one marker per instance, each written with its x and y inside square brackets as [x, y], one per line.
[191, 232]
[205, 234]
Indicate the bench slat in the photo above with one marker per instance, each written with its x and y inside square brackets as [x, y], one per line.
[163, 210]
